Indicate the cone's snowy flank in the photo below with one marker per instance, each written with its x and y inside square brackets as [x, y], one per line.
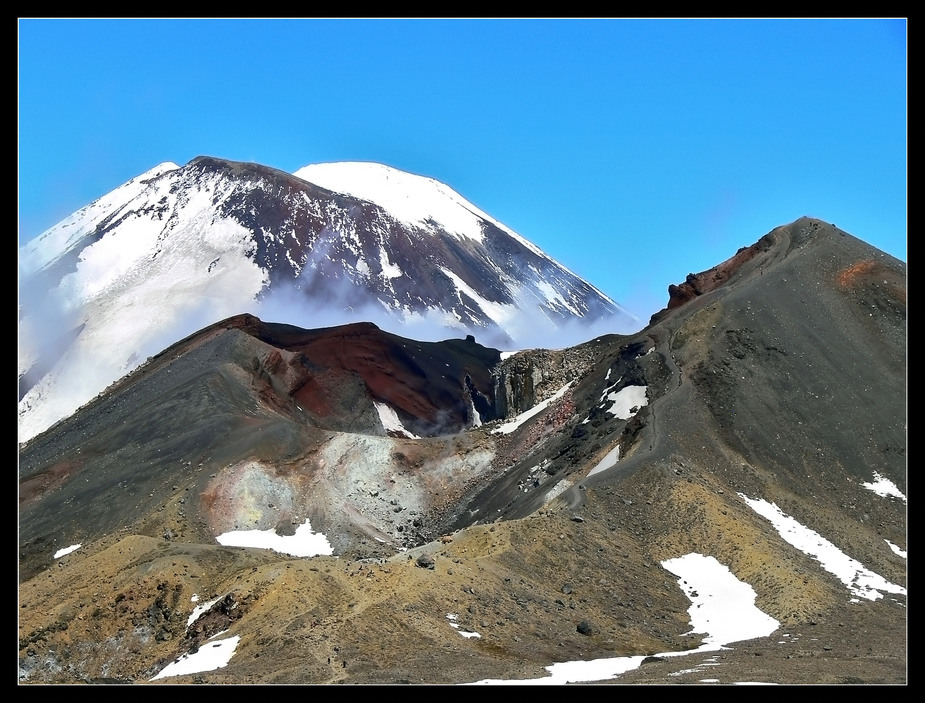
[178, 248]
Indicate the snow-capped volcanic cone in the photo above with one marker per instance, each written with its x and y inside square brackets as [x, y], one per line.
[178, 248]
[436, 255]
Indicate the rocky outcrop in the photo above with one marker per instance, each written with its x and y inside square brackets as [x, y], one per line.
[530, 377]
[697, 284]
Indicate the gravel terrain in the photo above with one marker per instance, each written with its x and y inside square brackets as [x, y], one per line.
[779, 375]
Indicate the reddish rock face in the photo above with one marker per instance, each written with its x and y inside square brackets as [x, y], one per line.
[433, 386]
[706, 281]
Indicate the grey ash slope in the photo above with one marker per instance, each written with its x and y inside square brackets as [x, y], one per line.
[778, 375]
[790, 356]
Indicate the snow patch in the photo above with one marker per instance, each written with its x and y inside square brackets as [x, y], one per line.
[610, 460]
[389, 270]
[884, 487]
[627, 401]
[390, 420]
[304, 543]
[416, 200]
[452, 617]
[210, 656]
[200, 610]
[721, 606]
[860, 581]
[509, 427]
[896, 550]
[67, 550]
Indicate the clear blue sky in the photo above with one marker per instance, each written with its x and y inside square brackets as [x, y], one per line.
[632, 151]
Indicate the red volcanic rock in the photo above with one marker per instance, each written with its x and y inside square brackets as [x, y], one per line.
[433, 386]
[706, 281]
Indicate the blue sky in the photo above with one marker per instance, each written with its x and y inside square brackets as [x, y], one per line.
[632, 151]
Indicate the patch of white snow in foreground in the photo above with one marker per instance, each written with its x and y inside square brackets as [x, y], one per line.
[896, 550]
[753, 683]
[67, 550]
[884, 487]
[210, 656]
[860, 581]
[304, 543]
[468, 635]
[726, 611]
[722, 607]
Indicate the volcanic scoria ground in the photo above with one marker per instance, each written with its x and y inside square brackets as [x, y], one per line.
[779, 375]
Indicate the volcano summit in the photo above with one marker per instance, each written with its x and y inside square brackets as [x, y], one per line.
[178, 248]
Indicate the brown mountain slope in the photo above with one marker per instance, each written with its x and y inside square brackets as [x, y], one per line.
[781, 377]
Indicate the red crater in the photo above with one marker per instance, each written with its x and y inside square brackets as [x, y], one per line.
[433, 386]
